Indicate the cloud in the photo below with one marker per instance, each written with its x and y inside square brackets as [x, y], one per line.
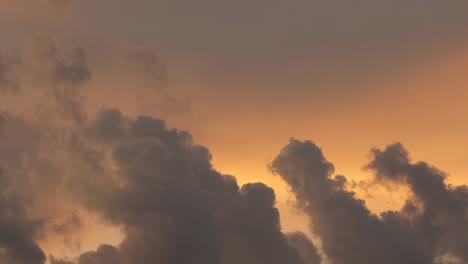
[103, 255]
[33, 206]
[306, 249]
[174, 207]
[63, 73]
[161, 189]
[442, 208]
[350, 233]
[146, 59]
[18, 231]
[9, 81]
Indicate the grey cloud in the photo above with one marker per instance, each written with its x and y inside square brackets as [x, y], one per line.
[306, 249]
[103, 255]
[391, 162]
[350, 233]
[64, 73]
[442, 210]
[175, 208]
[109, 125]
[29, 184]
[17, 230]
[62, 68]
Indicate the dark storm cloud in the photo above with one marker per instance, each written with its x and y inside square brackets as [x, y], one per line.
[430, 228]
[175, 208]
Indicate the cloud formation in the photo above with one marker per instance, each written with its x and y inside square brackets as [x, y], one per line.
[160, 188]
[436, 207]
[135, 173]
[427, 229]
[18, 231]
[174, 207]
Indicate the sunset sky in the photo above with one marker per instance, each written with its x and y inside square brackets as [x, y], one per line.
[274, 90]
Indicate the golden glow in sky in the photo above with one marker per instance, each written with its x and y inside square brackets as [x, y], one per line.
[242, 78]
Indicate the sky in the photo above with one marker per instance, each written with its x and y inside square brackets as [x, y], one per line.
[261, 131]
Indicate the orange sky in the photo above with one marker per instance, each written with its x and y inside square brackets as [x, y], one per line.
[355, 91]
[424, 110]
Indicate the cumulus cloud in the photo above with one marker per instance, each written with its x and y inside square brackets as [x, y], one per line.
[174, 207]
[427, 227]
[161, 189]
[439, 208]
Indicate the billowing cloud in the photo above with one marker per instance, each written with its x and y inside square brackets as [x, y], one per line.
[174, 207]
[137, 174]
[18, 231]
[429, 226]
[133, 173]
[437, 207]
